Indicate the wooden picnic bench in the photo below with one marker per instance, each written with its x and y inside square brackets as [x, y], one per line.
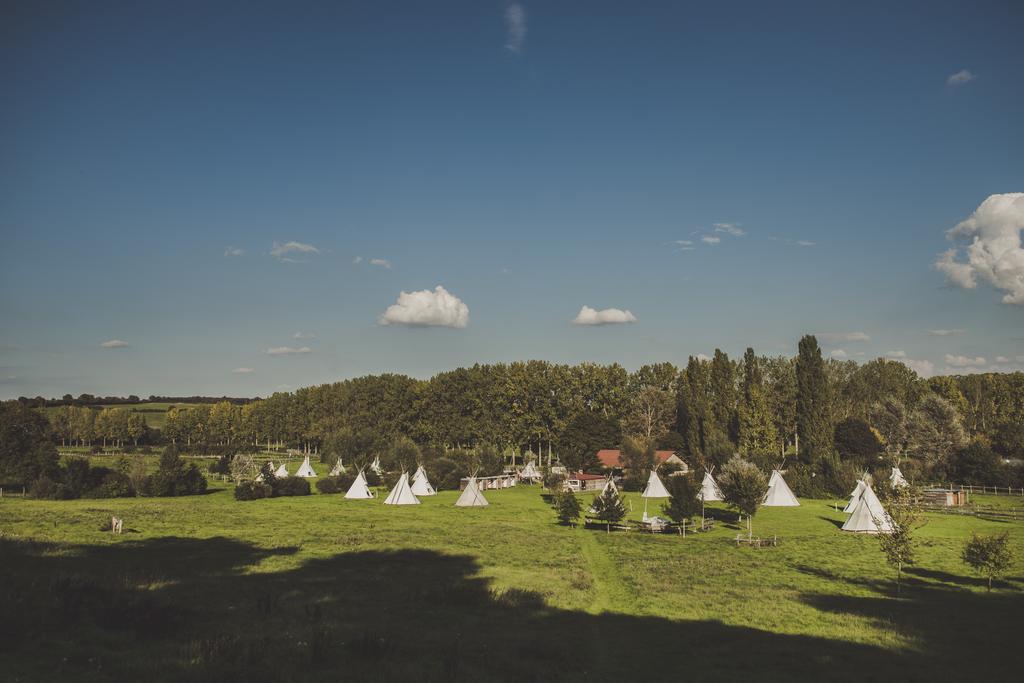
[756, 542]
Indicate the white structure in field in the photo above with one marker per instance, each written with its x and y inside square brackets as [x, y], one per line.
[259, 477]
[869, 517]
[530, 473]
[359, 489]
[420, 484]
[654, 489]
[338, 469]
[305, 469]
[779, 494]
[282, 472]
[896, 479]
[471, 496]
[855, 496]
[375, 466]
[709, 489]
[402, 493]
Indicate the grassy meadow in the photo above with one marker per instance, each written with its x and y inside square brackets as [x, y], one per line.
[323, 588]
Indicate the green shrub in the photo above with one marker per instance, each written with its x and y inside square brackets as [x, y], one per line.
[292, 486]
[338, 484]
[113, 485]
[253, 490]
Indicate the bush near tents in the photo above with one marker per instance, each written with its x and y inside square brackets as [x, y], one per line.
[271, 486]
[336, 484]
[76, 478]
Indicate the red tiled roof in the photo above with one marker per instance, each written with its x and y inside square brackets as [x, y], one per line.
[611, 458]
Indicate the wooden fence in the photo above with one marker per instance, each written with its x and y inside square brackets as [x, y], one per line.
[990, 490]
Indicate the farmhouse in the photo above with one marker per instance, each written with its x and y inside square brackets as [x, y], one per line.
[611, 458]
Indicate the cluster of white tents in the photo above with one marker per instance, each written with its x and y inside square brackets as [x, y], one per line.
[409, 492]
[305, 470]
[867, 516]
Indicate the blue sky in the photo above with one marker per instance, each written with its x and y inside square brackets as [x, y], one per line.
[530, 158]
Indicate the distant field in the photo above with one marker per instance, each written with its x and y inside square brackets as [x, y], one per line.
[206, 588]
[155, 413]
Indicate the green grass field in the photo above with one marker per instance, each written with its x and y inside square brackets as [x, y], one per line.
[322, 588]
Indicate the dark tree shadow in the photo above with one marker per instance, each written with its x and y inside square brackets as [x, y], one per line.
[835, 522]
[189, 609]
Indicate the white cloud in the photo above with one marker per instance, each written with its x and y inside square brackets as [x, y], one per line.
[844, 336]
[994, 254]
[710, 239]
[703, 357]
[925, 368]
[960, 77]
[357, 260]
[896, 355]
[242, 371]
[945, 333]
[733, 229]
[233, 251]
[515, 27]
[287, 350]
[114, 344]
[383, 263]
[303, 335]
[281, 251]
[1002, 359]
[805, 243]
[839, 354]
[964, 361]
[607, 316]
[427, 308]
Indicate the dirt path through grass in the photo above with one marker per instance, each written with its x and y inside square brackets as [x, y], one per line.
[610, 592]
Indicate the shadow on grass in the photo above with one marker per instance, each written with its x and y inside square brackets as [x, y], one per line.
[836, 522]
[174, 608]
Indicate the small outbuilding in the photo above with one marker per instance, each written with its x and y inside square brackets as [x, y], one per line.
[945, 497]
[581, 481]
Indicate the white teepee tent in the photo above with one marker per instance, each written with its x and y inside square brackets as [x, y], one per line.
[375, 466]
[282, 472]
[779, 494]
[402, 494]
[338, 469]
[259, 477]
[709, 489]
[471, 496]
[855, 497]
[359, 488]
[530, 473]
[869, 517]
[654, 489]
[305, 469]
[421, 485]
[896, 479]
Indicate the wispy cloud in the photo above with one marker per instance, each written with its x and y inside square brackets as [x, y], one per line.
[710, 239]
[114, 344]
[839, 354]
[844, 336]
[426, 308]
[281, 251]
[234, 251]
[733, 229]
[287, 350]
[945, 333]
[242, 371]
[960, 77]
[684, 245]
[964, 361]
[515, 27]
[804, 243]
[896, 355]
[607, 316]
[382, 262]
[993, 251]
[925, 368]
[357, 260]
[303, 335]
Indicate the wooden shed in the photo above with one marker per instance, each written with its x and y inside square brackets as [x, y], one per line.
[945, 497]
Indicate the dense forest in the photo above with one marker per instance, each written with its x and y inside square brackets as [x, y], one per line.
[815, 412]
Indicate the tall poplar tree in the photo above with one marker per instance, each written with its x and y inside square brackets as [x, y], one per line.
[813, 419]
[757, 429]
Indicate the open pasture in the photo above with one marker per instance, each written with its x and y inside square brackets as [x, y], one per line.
[319, 587]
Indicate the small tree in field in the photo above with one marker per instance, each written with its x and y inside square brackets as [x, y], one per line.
[899, 545]
[743, 486]
[567, 507]
[609, 508]
[990, 556]
[684, 502]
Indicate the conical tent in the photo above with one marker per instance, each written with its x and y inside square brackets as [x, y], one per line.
[870, 499]
[259, 477]
[855, 497]
[471, 496]
[402, 494]
[282, 472]
[338, 469]
[375, 466]
[896, 479]
[359, 488]
[654, 488]
[530, 472]
[421, 484]
[866, 521]
[709, 489]
[779, 494]
[305, 469]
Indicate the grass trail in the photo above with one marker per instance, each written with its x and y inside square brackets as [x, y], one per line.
[610, 592]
